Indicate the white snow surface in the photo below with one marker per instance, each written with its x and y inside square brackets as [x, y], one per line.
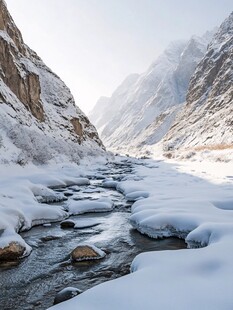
[23, 188]
[86, 206]
[85, 223]
[134, 196]
[192, 200]
[109, 184]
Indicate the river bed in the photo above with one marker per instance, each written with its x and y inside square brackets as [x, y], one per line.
[34, 282]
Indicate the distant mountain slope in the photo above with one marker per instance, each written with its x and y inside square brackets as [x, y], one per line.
[106, 108]
[144, 112]
[39, 120]
[207, 118]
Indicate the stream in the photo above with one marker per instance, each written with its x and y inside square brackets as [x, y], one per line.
[34, 281]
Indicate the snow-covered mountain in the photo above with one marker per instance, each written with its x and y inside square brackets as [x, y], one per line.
[39, 120]
[106, 108]
[207, 118]
[143, 108]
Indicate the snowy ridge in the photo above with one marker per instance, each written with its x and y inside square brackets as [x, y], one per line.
[206, 119]
[38, 116]
[142, 114]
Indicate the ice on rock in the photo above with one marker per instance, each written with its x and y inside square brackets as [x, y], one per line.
[86, 206]
[47, 224]
[65, 294]
[86, 223]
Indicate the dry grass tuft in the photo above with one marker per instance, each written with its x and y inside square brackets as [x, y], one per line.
[214, 147]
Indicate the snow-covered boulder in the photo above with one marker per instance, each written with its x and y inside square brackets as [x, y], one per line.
[87, 206]
[65, 294]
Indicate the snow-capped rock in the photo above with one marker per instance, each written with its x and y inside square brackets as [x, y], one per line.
[206, 120]
[142, 112]
[38, 116]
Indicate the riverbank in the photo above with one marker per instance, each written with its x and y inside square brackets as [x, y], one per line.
[189, 200]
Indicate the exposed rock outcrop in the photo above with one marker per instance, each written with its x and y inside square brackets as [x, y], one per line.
[206, 119]
[38, 116]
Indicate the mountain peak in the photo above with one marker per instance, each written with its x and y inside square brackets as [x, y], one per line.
[141, 113]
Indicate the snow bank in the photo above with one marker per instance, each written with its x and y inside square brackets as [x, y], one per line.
[134, 196]
[22, 189]
[185, 200]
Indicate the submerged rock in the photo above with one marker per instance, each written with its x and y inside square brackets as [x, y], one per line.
[67, 224]
[86, 252]
[12, 252]
[65, 294]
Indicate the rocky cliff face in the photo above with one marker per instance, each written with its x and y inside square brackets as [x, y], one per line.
[207, 118]
[141, 112]
[38, 116]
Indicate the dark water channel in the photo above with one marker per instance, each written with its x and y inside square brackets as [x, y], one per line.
[33, 283]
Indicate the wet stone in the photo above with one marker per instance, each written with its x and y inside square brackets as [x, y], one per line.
[67, 194]
[65, 294]
[12, 252]
[86, 252]
[67, 224]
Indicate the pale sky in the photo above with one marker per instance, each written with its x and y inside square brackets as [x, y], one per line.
[94, 44]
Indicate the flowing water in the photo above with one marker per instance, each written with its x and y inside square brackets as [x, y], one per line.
[33, 283]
